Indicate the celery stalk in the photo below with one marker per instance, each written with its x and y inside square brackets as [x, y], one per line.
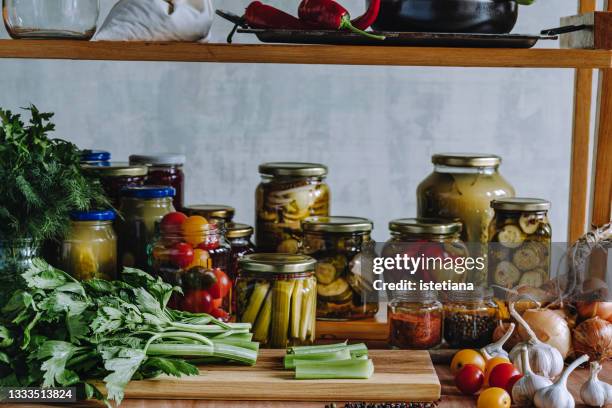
[255, 302]
[291, 359]
[344, 369]
[356, 350]
[262, 324]
[251, 345]
[233, 353]
[281, 304]
[296, 308]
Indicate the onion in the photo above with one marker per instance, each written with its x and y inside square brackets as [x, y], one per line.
[595, 287]
[550, 327]
[587, 310]
[594, 337]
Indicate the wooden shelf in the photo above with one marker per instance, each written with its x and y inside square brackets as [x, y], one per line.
[306, 54]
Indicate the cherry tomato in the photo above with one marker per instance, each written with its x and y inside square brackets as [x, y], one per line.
[511, 383]
[198, 301]
[467, 356]
[200, 258]
[199, 278]
[222, 287]
[171, 223]
[469, 379]
[501, 375]
[181, 254]
[217, 303]
[490, 365]
[194, 229]
[219, 314]
[494, 398]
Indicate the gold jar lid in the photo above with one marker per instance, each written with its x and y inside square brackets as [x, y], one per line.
[291, 169]
[116, 169]
[337, 224]
[520, 204]
[277, 263]
[466, 160]
[434, 226]
[218, 211]
[237, 230]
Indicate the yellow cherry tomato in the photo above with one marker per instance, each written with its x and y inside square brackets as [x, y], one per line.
[200, 258]
[490, 365]
[467, 356]
[494, 398]
[194, 229]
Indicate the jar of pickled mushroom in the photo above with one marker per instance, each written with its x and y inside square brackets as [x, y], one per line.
[165, 170]
[470, 317]
[116, 176]
[239, 237]
[520, 243]
[192, 253]
[277, 294]
[215, 212]
[95, 157]
[415, 320]
[142, 209]
[344, 286]
[288, 193]
[462, 186]
[89, 249]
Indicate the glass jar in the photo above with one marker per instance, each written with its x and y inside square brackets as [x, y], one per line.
[89, 250]
[462, 187]
[116, 176]
[344, 287]
[142, 208]
[239, 237]
[287, 194]
[95, 157]
[470, 317]
[16, 257]
[520, 243]
[220, 212]
[415, 321]
[68, 19]
[276, 293]
[165, 170]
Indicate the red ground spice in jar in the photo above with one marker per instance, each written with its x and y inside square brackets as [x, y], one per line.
[415, 321]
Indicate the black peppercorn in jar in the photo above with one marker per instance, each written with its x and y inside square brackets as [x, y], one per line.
[470, 317]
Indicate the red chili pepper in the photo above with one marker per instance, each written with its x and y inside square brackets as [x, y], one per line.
[259, 15]
[370, 16]
[329, 15]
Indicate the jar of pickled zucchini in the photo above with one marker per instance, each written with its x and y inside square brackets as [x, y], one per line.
[239, 237]
[520, 243]
[89, 249]
[344, 287]
[462, 187]
[116, 176]
[415, 321]
[277, 294]
[165, 170]
[216, 212]
[288, 193]
[470, 317]
[142, 209]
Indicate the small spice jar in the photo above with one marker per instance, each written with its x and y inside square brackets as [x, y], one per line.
[470, 317]
[165, 170]
[520, 243]
[89, 250]
[95, 157]
[215, 212]
[287, 194]
[116, 176]
[277, 294]
[415, 321]
[239, 237]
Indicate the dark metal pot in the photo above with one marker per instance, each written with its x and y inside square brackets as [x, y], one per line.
[451, 16]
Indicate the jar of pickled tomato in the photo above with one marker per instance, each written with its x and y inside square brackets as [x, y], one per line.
[165, 170]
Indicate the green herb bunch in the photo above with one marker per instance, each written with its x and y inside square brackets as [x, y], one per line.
[42, 181]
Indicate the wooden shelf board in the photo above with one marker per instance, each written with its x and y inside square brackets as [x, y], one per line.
[305, 54]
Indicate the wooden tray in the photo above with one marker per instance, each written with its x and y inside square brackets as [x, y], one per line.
[400, 375]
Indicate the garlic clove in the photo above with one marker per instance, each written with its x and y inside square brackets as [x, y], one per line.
[525, 388]
[496, 349]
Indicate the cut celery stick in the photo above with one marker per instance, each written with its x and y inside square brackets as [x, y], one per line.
[316, 349]
[261, 330]
[296, 308]
[291, 359]
[255, 302]
[329, 370]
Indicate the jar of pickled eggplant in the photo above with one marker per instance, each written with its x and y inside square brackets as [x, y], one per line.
[95, 157]
[470, 317]
[239, 237]
[215, 212]
[288, 193]
[89, 249]
[277, 294]
[344, 287]
[462, 187]
[415, 321]
[520, 243]
[165, 170]
[116, 176]
[142, 209]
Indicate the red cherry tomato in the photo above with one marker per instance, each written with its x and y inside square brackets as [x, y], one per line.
[220, 314]
[171, 223]
[511, 383]
[501, 375]
[181, 254]
[222, 287]
[198, 301]
[469, 379]
[217, 303]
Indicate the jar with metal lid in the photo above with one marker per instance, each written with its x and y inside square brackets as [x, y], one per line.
[89, 249]
[520, 243]
[415, 320]
[116, 176]
[142, 209]
[221, 212]
[344, 285]
[470, 317]
[95, 157]
[277, 294]
[462, 187]
[165, 170]
[287, 194]
[239, 237]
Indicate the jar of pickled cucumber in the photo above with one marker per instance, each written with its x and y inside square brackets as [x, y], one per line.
[89, 249]
[415, 321]
[277, 294]
[287, 194]
[239, 237]
[217, 212]
[116, 176]
[462, 187]
[142, 209]
[344, 287]
[470, 317]
[165, 170]
[520, 243]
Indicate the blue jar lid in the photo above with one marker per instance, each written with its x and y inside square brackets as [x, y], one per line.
[95, 156]
[148, 192]
[96, 215]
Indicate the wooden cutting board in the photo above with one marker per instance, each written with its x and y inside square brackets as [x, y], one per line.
[399, 375]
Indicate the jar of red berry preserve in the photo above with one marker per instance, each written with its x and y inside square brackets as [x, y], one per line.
[165, 170]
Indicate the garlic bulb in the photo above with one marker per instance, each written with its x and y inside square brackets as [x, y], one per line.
[545, 360]
[594, 392]
[557, 395]
[497, 349]
[525, 388]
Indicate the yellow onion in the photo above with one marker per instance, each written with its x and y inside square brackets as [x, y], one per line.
[550, 327]
[587, 310]
[594, 337]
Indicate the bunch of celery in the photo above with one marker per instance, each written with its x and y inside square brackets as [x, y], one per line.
[334, 361]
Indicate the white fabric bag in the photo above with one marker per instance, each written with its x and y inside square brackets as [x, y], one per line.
[158, 20]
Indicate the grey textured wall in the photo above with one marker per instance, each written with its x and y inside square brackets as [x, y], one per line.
[375, 127]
